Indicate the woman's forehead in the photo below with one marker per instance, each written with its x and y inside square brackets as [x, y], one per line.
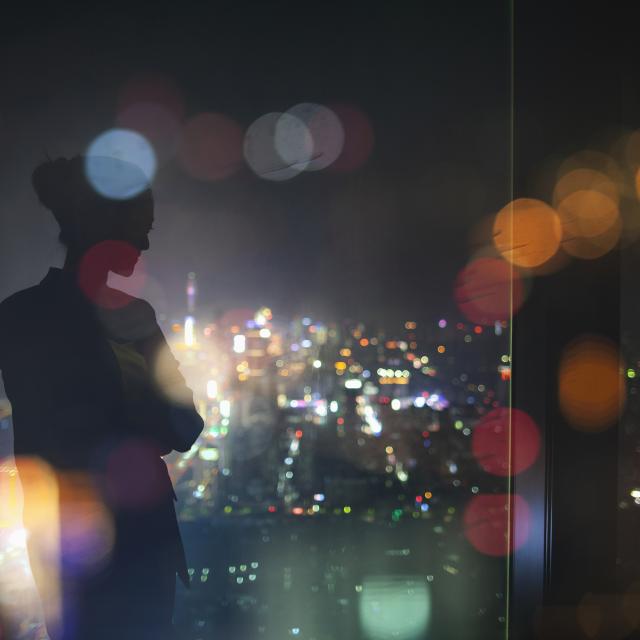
[142, 208]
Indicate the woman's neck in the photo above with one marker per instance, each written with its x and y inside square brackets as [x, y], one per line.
[94, 274]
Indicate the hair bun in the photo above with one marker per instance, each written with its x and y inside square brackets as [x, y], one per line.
[51, 182]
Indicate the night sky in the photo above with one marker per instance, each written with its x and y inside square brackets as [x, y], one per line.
[380, 242]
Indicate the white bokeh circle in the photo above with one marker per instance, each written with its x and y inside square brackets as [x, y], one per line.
[278, 146]
[326, 131]
[120, 164]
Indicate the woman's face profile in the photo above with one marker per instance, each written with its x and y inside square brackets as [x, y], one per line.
[129, 237]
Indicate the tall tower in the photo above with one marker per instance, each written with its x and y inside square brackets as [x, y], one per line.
[189, 321]
[192, 290]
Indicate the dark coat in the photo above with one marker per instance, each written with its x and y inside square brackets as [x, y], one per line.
[70, 408]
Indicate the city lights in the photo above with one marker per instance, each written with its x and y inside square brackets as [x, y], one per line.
[225, 408]
[189, 333]
[212, 389]
[239, 343]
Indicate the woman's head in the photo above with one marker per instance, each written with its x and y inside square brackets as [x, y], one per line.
[87, 217]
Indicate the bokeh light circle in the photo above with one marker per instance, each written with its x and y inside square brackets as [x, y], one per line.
[584, 179]
[394, 606]
[631, 605]
[152, 88]
[156, 123]
[109, 256]
[486, 523]
[41, 519]
[211, 147]
[153, 105]
[602, 616]
[39, 482]
[587, 214]
[87, 531]
[485, 293]
[120, 164]
[358, 138]
[527, 232]
[632, 152]
[591, 383]
[491, 441]
[593, 247]
[293, 140]
[326, 130]
[594, 161]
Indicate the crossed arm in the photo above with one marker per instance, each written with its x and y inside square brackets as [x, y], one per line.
[176, 423]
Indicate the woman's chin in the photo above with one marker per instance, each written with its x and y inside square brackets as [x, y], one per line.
[124, 271]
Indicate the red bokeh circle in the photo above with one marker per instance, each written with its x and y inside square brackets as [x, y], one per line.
[490, 442]
[152, 88]
[211, 147]
[100, 259]
[484, 291]
[486, 523]
[358, 138]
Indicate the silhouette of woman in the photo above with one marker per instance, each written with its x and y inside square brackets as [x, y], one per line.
[81, 363]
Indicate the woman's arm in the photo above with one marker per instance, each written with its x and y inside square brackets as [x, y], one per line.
[180, 424]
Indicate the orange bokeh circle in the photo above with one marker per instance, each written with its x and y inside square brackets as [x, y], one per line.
[591, 383]
[584, 179]
[527, 232]
[595, 247]
[587, 214]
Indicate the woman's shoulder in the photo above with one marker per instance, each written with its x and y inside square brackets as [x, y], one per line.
[133, 320]
[20, 315]
[20, 303]
[26, 303]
